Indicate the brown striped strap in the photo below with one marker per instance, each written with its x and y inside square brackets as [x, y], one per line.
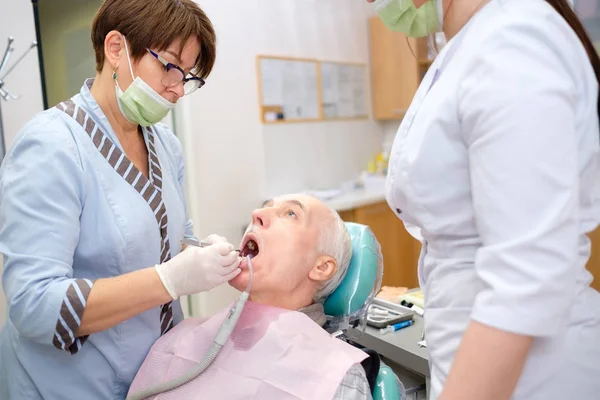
[155, 170]
[150, 190]
[70, 315]
[166, 311]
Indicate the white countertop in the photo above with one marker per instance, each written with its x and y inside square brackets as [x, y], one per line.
[356, 198]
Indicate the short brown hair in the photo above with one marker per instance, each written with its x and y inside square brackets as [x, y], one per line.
[155, 24]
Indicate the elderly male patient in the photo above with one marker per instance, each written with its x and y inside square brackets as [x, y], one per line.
[278, 350]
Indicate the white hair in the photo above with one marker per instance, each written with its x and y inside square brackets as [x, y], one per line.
[334, 241]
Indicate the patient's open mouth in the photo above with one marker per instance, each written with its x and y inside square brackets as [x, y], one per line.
[250, 248]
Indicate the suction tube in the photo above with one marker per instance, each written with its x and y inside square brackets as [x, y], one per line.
[220, 340]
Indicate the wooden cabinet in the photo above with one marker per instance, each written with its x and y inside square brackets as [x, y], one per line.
[398, 64]
[400, 250]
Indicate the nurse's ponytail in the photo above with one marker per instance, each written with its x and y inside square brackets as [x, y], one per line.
[567, 12]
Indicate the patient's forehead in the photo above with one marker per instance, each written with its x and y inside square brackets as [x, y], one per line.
[311, 205]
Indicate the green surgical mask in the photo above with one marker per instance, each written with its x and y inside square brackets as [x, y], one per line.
[140, 104]
[403, 16]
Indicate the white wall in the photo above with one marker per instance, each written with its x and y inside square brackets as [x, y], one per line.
[16, 19]
[234, 161]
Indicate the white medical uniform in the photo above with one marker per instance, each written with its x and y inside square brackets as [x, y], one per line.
[496, 169]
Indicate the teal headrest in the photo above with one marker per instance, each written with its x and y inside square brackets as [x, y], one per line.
[363, 278]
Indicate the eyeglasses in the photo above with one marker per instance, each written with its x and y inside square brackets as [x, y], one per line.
[175, 75]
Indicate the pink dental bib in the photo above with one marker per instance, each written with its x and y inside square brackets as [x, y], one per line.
[272, 354]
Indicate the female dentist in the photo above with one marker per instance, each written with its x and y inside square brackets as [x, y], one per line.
[496, 169]
[92, 212]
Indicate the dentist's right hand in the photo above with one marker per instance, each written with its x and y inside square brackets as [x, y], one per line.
[199, 269]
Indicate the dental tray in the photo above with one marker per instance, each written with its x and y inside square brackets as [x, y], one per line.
[395, 313]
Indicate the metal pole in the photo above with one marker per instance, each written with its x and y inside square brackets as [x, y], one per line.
[38, 37]
[9, 49]
[31, 46]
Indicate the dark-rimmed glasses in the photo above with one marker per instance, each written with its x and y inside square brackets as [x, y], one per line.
[175, 75]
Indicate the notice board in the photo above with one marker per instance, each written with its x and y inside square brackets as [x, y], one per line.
[289, 89]
[344, 90]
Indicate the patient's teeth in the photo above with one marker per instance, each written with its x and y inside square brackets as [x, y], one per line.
[252, 245]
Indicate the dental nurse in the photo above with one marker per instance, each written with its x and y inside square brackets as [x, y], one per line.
[496, 169]
[93, 211]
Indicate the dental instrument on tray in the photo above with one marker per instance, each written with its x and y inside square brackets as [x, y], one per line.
[222, 336]
[383, 313]
[376, 311]
[413, 307]
[396, 327]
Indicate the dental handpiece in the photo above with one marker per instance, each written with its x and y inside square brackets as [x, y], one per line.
[195, 243]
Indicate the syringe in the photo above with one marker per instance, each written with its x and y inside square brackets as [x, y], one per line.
[396, 327]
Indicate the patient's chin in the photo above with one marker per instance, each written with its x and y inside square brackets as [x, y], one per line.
[241, 281]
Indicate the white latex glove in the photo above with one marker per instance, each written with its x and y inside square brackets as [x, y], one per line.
[198, 269]
[214, 239]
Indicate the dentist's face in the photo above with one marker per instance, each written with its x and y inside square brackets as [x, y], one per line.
[151, 70]
[283, 238]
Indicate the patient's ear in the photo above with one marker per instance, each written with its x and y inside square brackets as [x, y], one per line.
[325, 267]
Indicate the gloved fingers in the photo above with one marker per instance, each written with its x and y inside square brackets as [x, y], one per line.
[232, 274]
[230, 259]
[223, 249]
[214, 239]
[229, 265]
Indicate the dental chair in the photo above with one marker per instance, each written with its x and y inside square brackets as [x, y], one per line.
[347, 308]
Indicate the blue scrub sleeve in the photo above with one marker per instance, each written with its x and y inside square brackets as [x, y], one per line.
[518, 106]
[42, 190]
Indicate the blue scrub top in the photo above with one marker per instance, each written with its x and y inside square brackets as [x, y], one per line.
[72, 211]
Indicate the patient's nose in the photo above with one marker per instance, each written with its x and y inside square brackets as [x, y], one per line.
[260, 217]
